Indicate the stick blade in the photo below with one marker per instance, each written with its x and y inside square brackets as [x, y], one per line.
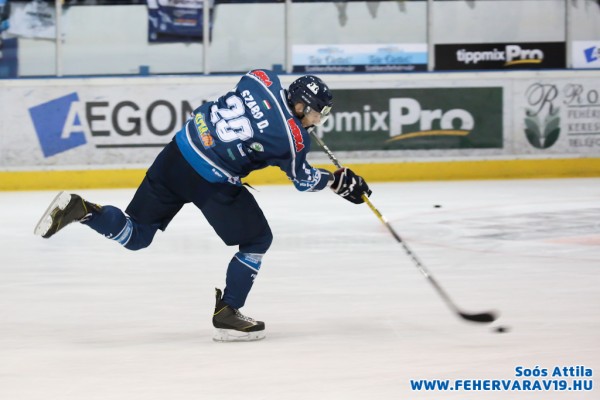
[485, 317]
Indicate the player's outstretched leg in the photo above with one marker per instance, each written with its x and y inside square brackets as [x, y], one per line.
[232, 326]
[64, 209]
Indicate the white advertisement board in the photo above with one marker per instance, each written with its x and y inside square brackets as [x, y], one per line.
[96, 122]
[557, 116]
[391, 57]
[116, 122]
[586, 54]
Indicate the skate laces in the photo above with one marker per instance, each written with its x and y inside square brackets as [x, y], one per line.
[242, 316]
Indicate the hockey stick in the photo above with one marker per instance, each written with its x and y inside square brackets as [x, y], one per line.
[484, 317]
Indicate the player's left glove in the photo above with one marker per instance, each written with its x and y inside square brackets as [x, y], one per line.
[349, 185]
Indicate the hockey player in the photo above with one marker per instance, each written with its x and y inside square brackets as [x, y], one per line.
[255, 125]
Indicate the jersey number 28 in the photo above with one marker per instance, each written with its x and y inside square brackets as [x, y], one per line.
[230, 123]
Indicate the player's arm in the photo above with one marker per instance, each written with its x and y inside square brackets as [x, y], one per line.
[344, 182]
[307, 178]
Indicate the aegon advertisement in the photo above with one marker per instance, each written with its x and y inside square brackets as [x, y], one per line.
[425, 118]
[500, 56]
[102, 124]
[68, 121]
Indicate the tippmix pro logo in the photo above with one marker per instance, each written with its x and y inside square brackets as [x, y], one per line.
[410, 112]
[509, 56]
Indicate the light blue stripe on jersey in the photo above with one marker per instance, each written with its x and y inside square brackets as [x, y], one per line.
[200, 162]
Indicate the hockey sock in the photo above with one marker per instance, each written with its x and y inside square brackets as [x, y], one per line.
[112, 223]
[241, 272]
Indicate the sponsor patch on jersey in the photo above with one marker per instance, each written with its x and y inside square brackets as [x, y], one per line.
[262, 75]
[257, 147]
[296, 134]
[205, 136]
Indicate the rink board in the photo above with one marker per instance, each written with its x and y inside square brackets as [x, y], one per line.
[409, 171]
[104, 132]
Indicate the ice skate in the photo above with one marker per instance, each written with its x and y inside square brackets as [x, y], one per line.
[232, 326]
[64, 209]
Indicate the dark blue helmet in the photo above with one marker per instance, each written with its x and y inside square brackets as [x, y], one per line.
[313, 92]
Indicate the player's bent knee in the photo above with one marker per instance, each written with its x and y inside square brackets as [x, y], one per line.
[258, 244]
[141, 236]
[267, 239]
[135, 245]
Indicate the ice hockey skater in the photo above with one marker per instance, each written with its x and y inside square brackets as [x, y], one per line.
[255, 125]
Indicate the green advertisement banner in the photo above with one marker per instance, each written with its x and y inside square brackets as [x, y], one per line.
[415, 119]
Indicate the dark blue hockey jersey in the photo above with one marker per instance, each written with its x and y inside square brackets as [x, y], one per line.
[249, 128]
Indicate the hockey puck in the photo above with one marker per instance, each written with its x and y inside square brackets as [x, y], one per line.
[501, 329]
[437, 206]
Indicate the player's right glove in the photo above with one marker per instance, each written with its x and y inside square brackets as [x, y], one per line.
[349, 185]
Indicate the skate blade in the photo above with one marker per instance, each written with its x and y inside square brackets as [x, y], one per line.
[230, 335]
[60, 201]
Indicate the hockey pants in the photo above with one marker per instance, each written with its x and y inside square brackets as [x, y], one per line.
[231, 210]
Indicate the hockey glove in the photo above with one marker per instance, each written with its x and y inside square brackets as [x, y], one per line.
[349, 185]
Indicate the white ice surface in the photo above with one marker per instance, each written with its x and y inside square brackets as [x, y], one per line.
[348, 315]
